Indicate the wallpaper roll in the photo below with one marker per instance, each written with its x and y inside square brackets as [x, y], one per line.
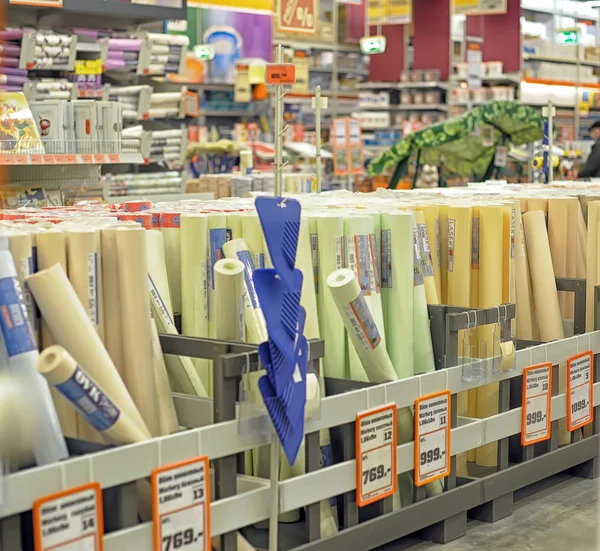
[397, 282]
[113, 326]
[21, 249]
[443, 224]
[22, 356]
[194, 285]
[426, 260]
[491, 220]
[229, 294]
[253, 236]
[526, 314]
[593, 215]
[217, 236]
[256, 326]
[76, 386]
[432, 222]
[51, 250]
[542, 277]
[573, 209]
[170, 227]
[581, 245]
[138, 357]
[234, 226]
[459, 255]
[308, 298]
[558, 228]
[537, 203]
[330, 233]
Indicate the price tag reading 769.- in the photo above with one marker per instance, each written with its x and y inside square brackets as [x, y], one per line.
[70, 520]
[181, 506]
[580, 390]
[432, 437]
[536, 417]
[375, 454]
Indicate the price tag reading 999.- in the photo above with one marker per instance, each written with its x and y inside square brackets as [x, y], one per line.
[70, 521]
[432, 437]
[375, 454]
[181, 506]
[536, 417]
[580, 390]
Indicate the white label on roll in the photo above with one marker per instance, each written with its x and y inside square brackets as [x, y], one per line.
[339, 253]
[386, 259]
[361, 261]
[475, 244]
[418, 274]
[426, 260]
[451, 237]
[241, 318]
[512, 232]
[362, 323]
[93, 287]
[159, 306]
[314, 246]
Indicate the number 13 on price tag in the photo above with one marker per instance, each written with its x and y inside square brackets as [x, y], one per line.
[580, 390]
[432, 437]
[181, 506]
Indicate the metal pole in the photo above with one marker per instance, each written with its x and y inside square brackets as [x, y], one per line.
[551, 142]
[318, 137]
[274, 487]
[278, 127]
[577, 90]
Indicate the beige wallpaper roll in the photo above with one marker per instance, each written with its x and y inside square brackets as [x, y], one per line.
[234, 225]
[167, 417]
[581, 245]
[170, 227]
[137, 324]
[426, 259]
[558, 227]
[526, 324]
[443, 223]
[229, 290]
[432, 221]
[593, 216]
[538, 203]
[71, 327]
[573, 209]
[253, 235]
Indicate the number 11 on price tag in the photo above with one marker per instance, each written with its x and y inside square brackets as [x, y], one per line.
[181, 506]
[536, 417]
[580, 390]
[376, 454]
[432, 437]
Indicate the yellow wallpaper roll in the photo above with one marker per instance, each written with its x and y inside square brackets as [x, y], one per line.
[113, 327]
[459, 255]
[573, 209]
[432, 221]
[491, 220]
[138, 356]
[526, 323]
[256, 326]
[330, 228]
[71, 327]
[523, 204]
[170, 227]
[217, 236]
[234, 226]
[537, 203]
[581, 245]
[397, 281]
[253, 236]
[426, 260]
[558, 227]
[229, 290]
[542, 277]
[471, 401]
[593, 216]
[443, 222]
[167, 417]
[74, 383]
[508, 254]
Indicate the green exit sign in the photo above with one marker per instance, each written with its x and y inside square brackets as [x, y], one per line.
[204, 52]
[568, 36]
[373, 44]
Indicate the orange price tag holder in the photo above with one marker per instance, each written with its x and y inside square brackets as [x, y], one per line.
[87, 159]
[36, 159]
[49, 159]
[432, 437]
[281, 73]
[100, 159]
[536, 416]
[70, 521]
[191, 104]
[114, 159]
[181, 506]
[580, 390]
[376, 453]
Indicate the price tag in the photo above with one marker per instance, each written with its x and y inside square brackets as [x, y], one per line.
[281, 73]
[70, 520]
[580, 390]
[49, 159]
[181, 506]
[36, 160]
[242, 90]
[375, 454]
[114, 158]
[536, 418]
[87, 159]
[432, 437]
[99, 159]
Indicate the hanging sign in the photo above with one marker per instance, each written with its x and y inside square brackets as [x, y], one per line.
[38, 3]
[302, 73]
[376, 454]
[348, 151]
[70, 521]
[241, 5]
[480, 7]
[580, 390]
[242, 92]
[389, 12]
[297, 16]
[181, 506]
[536, 418]
[432, 437]
[281, 73]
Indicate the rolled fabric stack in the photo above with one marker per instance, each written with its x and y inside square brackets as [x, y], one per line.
[165, 105]
[129, 98]
[52, 50]
[123, 54]
[166, 146]
[154, 183]
[12, 78]
[167, 50]
[132, 140]
[52, 88]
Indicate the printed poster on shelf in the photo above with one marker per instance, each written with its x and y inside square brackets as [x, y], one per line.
[389, 12]
[297, 16]
[480, 7]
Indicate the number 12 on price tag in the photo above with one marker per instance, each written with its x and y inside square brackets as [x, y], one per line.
[536, 416]
[181, 506]
[376, 454]
[580, 390]
[432, 437]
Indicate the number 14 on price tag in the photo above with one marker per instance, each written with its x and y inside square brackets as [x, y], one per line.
[181, 506]
[432, 437]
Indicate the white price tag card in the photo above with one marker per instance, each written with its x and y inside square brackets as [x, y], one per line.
[536, 417]
[181, 506]
[580, 390]
[375, 454]
[432, 437]
[70, 521]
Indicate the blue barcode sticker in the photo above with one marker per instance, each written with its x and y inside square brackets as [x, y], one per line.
[217, 238]
[246, 259]
[16, 331]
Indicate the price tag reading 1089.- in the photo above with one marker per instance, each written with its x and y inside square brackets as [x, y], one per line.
[536, 419]
[375, 454]
[580, 390]
[432, 437]
[181, 506]
[70, 520]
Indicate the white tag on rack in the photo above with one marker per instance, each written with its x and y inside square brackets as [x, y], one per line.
[376, 454]
[70, 520]
[180, 508]
[580, 390]
[536, 417]
[432, 437]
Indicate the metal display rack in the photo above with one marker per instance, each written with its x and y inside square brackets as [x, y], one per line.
[240, 500]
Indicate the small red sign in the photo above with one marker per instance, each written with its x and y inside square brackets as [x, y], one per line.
[298, 16]
[281, 73]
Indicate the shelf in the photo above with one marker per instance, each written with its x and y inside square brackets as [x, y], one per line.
[549, 59]
[423, 107]
[378, 107]
[330, 47]
[552, 82]
[509, 78]
[37, 160]
[223, 113]
[419, 85]
[208, 86]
